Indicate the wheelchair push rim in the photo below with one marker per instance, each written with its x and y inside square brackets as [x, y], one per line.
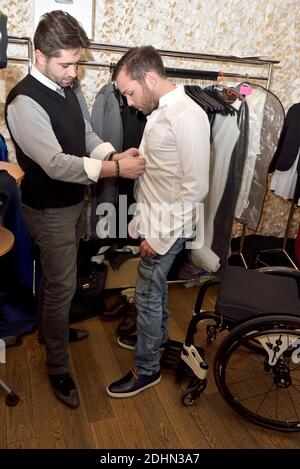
[263, 387]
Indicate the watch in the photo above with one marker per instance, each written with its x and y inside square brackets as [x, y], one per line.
[110, 158]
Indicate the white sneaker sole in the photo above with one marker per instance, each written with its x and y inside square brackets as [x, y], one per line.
[132, 393]
[127, 346]
[130, 347]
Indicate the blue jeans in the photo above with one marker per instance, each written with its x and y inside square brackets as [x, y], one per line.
[151, 296]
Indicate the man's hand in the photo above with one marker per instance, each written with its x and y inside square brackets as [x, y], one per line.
[131, 167]
[130, 152]
[146, 249]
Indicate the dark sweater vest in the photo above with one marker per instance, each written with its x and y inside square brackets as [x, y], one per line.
[38, 190]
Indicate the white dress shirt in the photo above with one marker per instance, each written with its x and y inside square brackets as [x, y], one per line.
[176, 149]
[31, 128]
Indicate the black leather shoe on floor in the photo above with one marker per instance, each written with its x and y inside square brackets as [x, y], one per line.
[77, 334]
[65, 390]
[132, 384]
[116, 310]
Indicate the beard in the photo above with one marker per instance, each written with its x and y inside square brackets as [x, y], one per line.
[150, 103]
[63, 82]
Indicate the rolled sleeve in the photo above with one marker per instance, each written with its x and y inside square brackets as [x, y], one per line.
[92, 168]
[102, 150]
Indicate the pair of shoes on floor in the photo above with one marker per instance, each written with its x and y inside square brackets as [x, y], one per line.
[65, 389]
[74, 335]
[127, 325]
[132, 384]
[129, 342]
[116, 310]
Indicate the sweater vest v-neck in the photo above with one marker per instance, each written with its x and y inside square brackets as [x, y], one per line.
[38, 190]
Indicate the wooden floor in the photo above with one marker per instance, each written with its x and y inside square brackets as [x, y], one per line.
[153, 419]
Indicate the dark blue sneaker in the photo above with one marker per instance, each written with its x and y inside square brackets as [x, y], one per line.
[132, 384]
[129, 342]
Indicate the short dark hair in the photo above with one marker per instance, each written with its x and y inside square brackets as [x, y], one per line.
[138, 61]
[58, 30]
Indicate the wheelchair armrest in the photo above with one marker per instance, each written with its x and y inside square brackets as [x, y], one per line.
[282, 271]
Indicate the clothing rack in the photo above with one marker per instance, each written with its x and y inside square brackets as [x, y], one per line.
[182, 72]
[22, 41]
[206, 74]
[202, 74]
[229, 59]
[286, 234]
[187, 73]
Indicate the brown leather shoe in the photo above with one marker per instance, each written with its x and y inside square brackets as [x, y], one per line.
[65, 390]
[116, 310]
[127, 325]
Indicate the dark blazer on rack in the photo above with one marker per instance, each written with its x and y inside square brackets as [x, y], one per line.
[289, 142]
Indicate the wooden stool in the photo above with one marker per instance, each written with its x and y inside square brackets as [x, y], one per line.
[6, 240]
[123, 277]
[13, 169]
[6, 243]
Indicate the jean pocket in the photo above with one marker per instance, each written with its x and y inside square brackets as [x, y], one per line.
[146, 267]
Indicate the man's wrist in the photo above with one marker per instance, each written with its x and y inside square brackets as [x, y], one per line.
[111, 156]
[117, 168]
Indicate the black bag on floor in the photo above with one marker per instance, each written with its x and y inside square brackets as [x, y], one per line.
[92, 282]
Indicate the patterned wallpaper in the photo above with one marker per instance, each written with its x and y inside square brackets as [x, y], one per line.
[224, 27]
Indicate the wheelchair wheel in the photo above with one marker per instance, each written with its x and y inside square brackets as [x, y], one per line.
[12, 399]
[193, 391]
[263, 387]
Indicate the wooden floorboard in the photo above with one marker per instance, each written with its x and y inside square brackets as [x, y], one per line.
[46, 408]
[154, 419]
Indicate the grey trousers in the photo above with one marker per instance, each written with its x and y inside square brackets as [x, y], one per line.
[56, 231]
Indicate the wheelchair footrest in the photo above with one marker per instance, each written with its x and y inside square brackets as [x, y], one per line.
[171, 356]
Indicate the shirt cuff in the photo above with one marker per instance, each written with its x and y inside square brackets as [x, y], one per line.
[102, 150]
[161, 246]
[92, 168]
[132, 229]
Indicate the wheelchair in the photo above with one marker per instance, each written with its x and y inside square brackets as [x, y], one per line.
[257, 365]
[11, 398]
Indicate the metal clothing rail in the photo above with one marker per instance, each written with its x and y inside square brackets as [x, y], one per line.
[25, 41]
[283, 249]
[167, 53]
[190, 55]
[207, 74]
[188, 73]
[196, 56]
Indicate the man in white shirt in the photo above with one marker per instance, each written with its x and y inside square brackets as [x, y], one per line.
[175, 146]
[60, 155]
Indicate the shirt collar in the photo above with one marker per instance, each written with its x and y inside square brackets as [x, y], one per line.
[46, 81]
[172, 97]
